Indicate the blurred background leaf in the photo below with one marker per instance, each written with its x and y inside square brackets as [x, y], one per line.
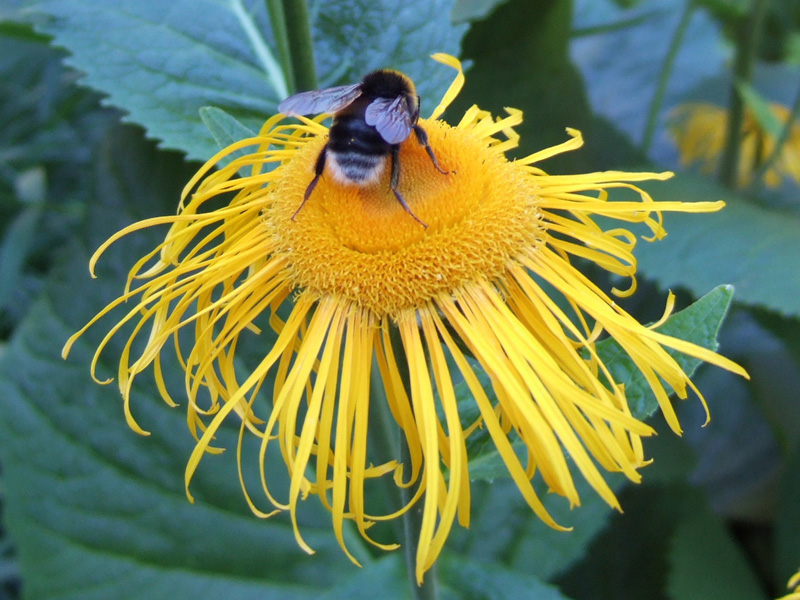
[620, 53]
[161, 67]
[750, 246]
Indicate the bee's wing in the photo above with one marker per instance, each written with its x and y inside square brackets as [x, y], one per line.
[392, 117]
[329, 100]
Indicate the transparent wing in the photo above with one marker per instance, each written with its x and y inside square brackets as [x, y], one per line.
[329, 100]
[392, 117]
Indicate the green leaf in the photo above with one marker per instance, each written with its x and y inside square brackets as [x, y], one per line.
[161, 65]
[545, 552]
[628, 561]
[30, 186]
[773, 360]
[533, 547]
[48, 129]
[163, 60]
[387, 574]
[728, 9]
[760, 108]
[621, 65]
[667, 544]
[523, 62]
[525, 540]
[698, 323]
[473, 10]
[476, 580]
[14, 249]
[503, 527]
[754, 248]
[354, 37]
[98, 512]
[45, 117]
[10, 28]
[226, 130]
[793, 48]
[706, 562]
[737, 455]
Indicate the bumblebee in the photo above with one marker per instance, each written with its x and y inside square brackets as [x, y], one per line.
[371, 120]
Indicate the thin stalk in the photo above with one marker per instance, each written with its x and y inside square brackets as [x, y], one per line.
[301, 49]
[412, 518]
[779, 144]
[747, 48]
[277, 19]
[664, 75]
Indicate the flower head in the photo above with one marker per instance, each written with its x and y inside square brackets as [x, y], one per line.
[366, 284]
[699, 131]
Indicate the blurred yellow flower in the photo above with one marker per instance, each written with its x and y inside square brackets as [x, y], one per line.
[475, 290]
[794, 584]
[699, 131]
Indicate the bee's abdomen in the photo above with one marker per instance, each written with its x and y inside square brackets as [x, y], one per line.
[357, 152]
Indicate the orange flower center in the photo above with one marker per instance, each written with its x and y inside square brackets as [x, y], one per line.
[359, 243]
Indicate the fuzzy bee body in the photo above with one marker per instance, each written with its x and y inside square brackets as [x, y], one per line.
[356, 151]
[371, 120]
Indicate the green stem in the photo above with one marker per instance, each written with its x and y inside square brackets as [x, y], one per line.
[277, 19]
[664, 75]
[301, 49]
[747, 49]
[412, 518]
[779, 144]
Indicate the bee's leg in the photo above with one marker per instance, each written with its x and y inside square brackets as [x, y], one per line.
[396, 179]
[422, 138]
[319, 167]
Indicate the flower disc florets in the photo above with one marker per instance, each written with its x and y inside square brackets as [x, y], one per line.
[359, 244]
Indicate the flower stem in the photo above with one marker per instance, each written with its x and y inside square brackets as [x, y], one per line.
[277, 19]
[664, 75]
[749, 35]
[385, 445]
[779, 143]
[297, 29]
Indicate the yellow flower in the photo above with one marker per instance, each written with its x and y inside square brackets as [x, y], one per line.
[366, 284]
[699, 131]
[794, 584]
